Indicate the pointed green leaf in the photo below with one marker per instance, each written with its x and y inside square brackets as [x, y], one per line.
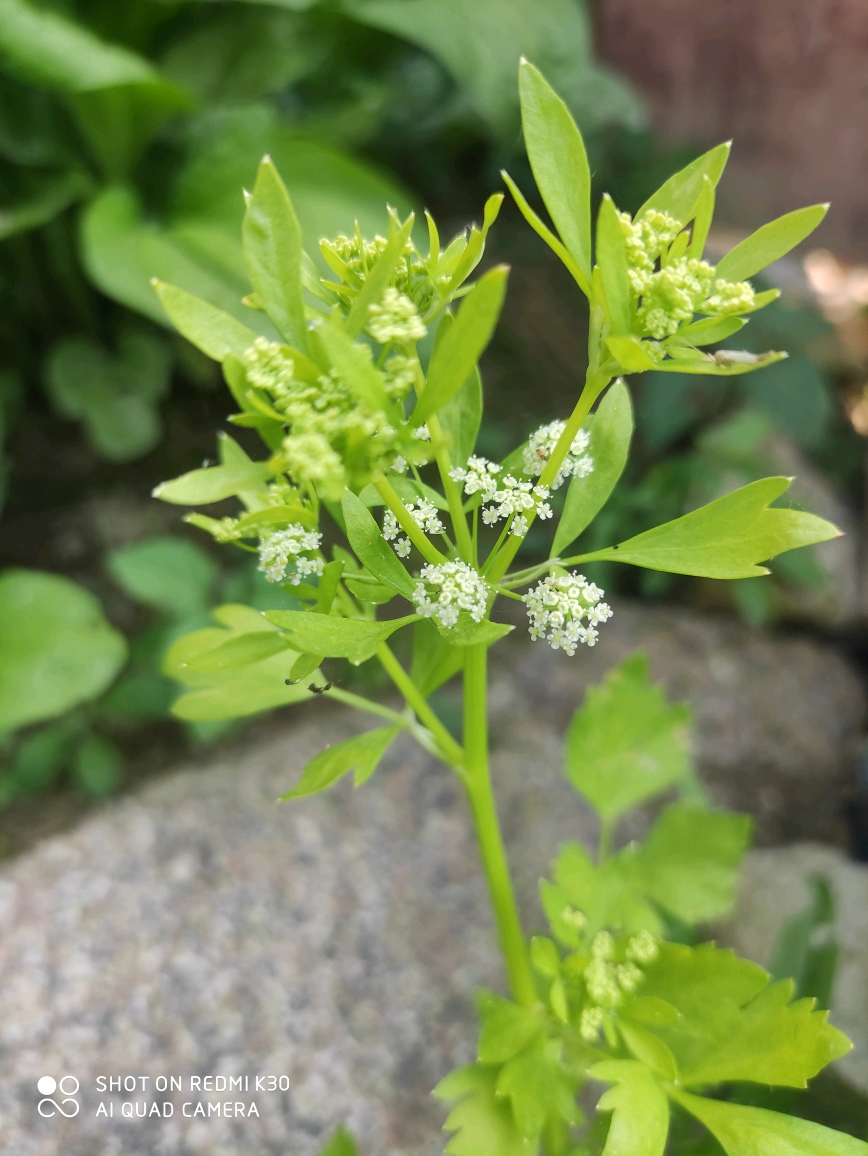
[455, 357]
[723, 363]
[466, 632]
[681, 195]
[461, 418]
[475, 246]
[379, 277]
[632, 355]
[610, 429]
[745, 1131]
[507, 1028]
[648, 1048]
[201, 487]
[341, 1143]
[710, 330]
[216, 333]
[369, 590]
[304, 666]
[273, 247]
[238, 652]
[482, 1121]
[769, 243]
[542, 230]
[612, 260]
[352, 638]
[640, 1121]
[626, 743]
[362, 752]
[434, 660]
[559, 162]
[725, 539]
[353, 364]
[370, 547]
[703, 219]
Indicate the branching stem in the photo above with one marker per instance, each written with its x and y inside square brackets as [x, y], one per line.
[451, 752]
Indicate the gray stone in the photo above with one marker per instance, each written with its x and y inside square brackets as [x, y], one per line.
[774, 887]
[198, 929]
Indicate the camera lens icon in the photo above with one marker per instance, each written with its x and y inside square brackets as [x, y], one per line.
[68, 1087]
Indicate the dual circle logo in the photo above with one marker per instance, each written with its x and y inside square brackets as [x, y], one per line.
[68, 1106]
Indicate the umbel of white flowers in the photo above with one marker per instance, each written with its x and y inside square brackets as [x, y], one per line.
[558, 606]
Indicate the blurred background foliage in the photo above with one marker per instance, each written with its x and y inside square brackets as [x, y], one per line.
[127, 131]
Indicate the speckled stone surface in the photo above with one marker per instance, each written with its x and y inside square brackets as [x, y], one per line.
[198, 929]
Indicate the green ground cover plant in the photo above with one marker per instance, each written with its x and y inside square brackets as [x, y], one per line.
[372, 511]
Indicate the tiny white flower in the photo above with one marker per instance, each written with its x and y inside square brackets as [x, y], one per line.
[423, 433]
[541, 445]
[456, 587]
[557, 608]
[278, 548]
[399, 465]
[423, 513]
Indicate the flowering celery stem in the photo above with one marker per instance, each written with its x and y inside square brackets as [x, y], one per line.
[451, 490]
[481, 798]
[407, 523]
[450, 751]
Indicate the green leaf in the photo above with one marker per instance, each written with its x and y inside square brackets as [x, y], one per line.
[378, 278]
[769, 243]
[455, 357]
[689, 862]
[507, 1028]
[369, 589]
[805, 948]
[612, 262]
[610, 429]
[559, 162]
[353, 364]
[214, 332]
[352, 638]
[341, 1143]
[710, 330]
[201, 487]
[44, 202]
[745, 1131]
[542, 230]
[704, 215]
[626, 744]
[98, 766]
[466, 632]
[683, 193]
[640, 1120]
[272, 252]
[647, 1047]
[56, 648]
[461, 418]
[241, 651]
[362, 752]
[371, 549]
[538, 1087]
[41, 757]
[482, 1120]
[725, 539]
[435, 661]
[170, 574]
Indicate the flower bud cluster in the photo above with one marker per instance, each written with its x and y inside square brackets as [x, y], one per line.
[423, 513]
[294, 545]
[395, 319]
[541, 445]
[558, 606]
[645, 239]
[607, 981]
[410, 278]
[456, 587]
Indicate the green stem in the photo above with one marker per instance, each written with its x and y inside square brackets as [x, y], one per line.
[451, 490]
[604, 847]
[405, 520]
[359, 703]
[491, 849]
[451, 751]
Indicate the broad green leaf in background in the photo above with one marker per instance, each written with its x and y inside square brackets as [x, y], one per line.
[482, 1121]
[626, 743]
[461, 418]
[44, 203]
[56, 648]
[213, 484]
[559, 162]
[332, 637]
[216, 333]
[611, 257]
[806, 948]
[340, 1143]
[455, 357]
[725, 539]
[610, 429]
[273, 249]
[640, 1120]
[362, 752]
[371, 549]
[746, 1131]
[769, 243]
[684, 192]
[169, 574]
[241, 651]
[98, 766]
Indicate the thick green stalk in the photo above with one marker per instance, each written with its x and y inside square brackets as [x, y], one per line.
[482, 806]
[451, 490]
[452, 752]
[405, 520]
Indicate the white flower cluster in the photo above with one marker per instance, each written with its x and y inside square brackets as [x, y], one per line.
[423, 513]
[509, 496]
[295, 544]
[395, 319]
[607, 981]
[557, 607]
[478, 477]
[457, 587]
[541, 445]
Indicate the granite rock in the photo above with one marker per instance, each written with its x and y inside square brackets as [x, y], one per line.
[196, 928]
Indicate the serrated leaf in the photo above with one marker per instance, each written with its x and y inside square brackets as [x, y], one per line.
[559, 162]
[362, 752]
[466, 632]
[640, 1120]
[689, 862]
[626, 743]
[483, 1123]
[680, 195]
[726, 538]
[352, 638]
[612, 262]
[648, 1048]
[216, 333]
[273, 246]
[455, 357]
[610, 429]
[537, 1087]
[370, 547]
[769, 243]
[746, 1131]
[507, 1028]
[201, 487]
